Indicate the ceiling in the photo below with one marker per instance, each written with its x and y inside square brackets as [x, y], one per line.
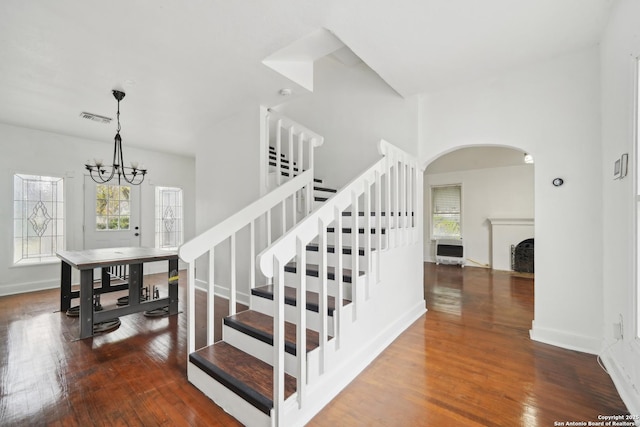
[187, 64]
[473, 158]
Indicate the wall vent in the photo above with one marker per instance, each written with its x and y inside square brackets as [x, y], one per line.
[96, 117]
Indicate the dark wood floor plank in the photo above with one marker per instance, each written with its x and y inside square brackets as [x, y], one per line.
[263, 323]
[290, 297]
[133, 376]
[469, 361]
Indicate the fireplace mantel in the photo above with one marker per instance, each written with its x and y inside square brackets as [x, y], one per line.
[511, 221]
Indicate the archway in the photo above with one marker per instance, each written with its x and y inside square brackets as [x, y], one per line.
[496, 202]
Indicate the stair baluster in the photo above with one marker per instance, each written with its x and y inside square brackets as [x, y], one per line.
[312, 299]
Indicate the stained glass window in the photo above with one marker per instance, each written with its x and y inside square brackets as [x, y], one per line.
[38, 218]
[169, 226]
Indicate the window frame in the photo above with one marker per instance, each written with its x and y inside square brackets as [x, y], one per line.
[432, 212]
[59, 239]
[109, 216]
[158, 219]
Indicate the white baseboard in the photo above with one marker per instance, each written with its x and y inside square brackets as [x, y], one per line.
[41, 285]
[223, 292]
[623, 384]
[23, 288]
[566, 340]
[334, 382]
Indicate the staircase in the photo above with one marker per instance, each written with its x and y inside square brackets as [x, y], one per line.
[332, 278]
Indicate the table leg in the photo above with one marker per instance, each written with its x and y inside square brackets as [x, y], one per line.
[105, 282]
[173, 286]
[65, 286]
[135, 283]
[86, 303]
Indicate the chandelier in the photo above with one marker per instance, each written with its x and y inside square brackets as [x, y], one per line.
[101, 173]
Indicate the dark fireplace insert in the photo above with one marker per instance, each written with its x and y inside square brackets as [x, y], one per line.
[522, 256]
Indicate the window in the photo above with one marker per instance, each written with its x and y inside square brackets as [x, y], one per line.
[113, 208]
[169, 233]
[445, 212]
[38, 218]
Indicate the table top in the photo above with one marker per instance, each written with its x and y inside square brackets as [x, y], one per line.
[95, 258]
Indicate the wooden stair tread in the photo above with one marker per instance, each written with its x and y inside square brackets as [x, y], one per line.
[347, 230]
[260, 326]
[329, 190]
[282, 165]
[313, 270]
[272, 157]
[373, 213]
[346, 250]
[245, 375]
[290, 298]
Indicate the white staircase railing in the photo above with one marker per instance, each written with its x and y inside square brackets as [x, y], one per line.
[263, 227]
[284, 139]
[390, 189]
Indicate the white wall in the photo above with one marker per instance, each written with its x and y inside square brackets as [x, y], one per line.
[551, 110]
[504, 192]
[43, 153]
[353, 108]
[227, 180]
[619, 49]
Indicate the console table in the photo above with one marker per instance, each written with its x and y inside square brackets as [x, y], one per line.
[86, 260]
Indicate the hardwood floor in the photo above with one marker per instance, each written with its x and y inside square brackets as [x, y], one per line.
[469, 361]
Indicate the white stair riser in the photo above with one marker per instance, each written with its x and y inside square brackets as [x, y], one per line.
[347, 221]
[313, 285]
[346, 239]
[322, 193]
[313, 257]
[233, 404]
[265, 306]
[256, 348]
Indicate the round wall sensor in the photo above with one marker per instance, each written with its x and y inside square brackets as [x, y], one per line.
[558, 182]
[285, 92]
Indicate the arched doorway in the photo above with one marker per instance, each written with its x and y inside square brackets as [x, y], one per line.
[496, 206]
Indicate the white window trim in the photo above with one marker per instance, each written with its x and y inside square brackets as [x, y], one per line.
[635, 176]
[431, 187]
[49, 260]
[155, 218]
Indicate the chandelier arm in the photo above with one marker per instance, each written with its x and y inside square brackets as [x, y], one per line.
[122, 167]
[99, 179]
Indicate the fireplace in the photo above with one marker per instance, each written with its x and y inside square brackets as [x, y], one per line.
[522, 256]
